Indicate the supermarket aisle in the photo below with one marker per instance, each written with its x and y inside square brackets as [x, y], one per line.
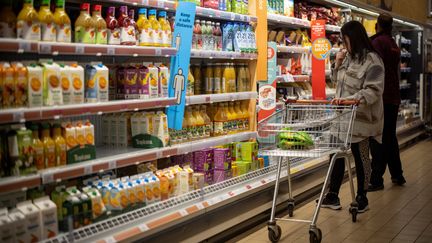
[397, 214]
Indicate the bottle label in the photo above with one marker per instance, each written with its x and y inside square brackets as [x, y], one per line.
[227, 126]
[218, 43]
[84, 35]
[145, 38]
[114, 36]
[49, 32]
[231, 85]
[194, 41]
[199, 42]
[211, 43]
[50, 156]
[166, 40]
[223, 85]
[218, 127]
[208, 85]
[7, 30]
[217, 85]
[157, 37]
[64, 33]
[39, 157]
[29, 30]
[101, 36]
[127, 35]
[207, 130]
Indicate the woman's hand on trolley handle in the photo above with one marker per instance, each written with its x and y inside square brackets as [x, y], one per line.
[344, 101]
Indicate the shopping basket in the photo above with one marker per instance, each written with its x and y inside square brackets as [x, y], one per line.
[308, 129]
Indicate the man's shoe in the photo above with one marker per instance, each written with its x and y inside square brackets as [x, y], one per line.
[398, 180]
[363, 203]
[331, 200]
[373, 188]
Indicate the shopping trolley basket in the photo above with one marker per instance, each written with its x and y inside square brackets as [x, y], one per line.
[308, 129]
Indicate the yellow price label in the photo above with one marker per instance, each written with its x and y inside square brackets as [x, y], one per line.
[321, 48]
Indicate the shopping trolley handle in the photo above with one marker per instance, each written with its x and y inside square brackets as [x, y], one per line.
[322, 102]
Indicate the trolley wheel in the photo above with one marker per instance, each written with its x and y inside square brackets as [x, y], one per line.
[354, 212]
[291, 209]
[274, 233]
[315, 235]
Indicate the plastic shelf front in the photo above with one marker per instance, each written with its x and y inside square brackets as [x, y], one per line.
[223, 55]
[224, 15]
[292, 78]
[212, 98]
[145, 221]
[296, 22]
[57, 112]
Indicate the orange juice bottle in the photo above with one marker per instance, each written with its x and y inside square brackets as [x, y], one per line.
[217, 85]
[190, 89]
[85, 26]
[235, 117]
[46, 18]
[198, 89]
[157, 33]
[49, 146]
[185, 134]
[199, 125]
[7, 22]
[245, 110]
[38, 148]
[21, 85]
[8, 94]
[165, 29]
[100, 25]
[208, 128]
[144, 28]
[230, 126]
[60, 145]
[209, 79]
[28, 25]
[192, 124]
[220, 121]
[231, 79]
[240, 115]
[63, 23]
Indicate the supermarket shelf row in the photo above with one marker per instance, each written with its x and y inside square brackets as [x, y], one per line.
[112, 158]
[296, 22]
[288, 78]
[223, 55]
[56, 112]
[299, 49]
[146, 221]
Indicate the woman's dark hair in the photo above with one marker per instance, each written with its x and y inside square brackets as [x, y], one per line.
[359, 40]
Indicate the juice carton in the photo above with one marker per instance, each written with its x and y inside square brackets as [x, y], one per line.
[21, 85]
[249, 151]
[190, 172]
[178, 159]
[188, 159]
[164, 185]
[32, 215]
[65, 80]
[152, 79]
[96, 83]
[35, 85]
[123, 130]
[139, 187]
[98, 207]
[222, 159]
[147, 122]
[89, 133]
[105, 191]
[106, 125]
[80, 133]
[19, 221]
[135, 124]
[160, 127]
[112, 87]
[72, 209]
[25, 149]
[120, 78]
[124, 195]
[183, 182]
[8, 77]
[114, 198]
[48, 211]
[59, 196]
[198, 180]
[208, 177]
[172, 180]
[222, 175]
[77, 79]
[148, 166]
[103, 77]
[131, 192]
[203, 160]
[131, 82]
[164, 77]
[143, 84]
[52, 90]
[152, 188]
[7, 229]
[69, 133]
[244, 167]
[85, 209]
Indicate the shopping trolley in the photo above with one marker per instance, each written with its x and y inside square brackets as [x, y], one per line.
[308, 129]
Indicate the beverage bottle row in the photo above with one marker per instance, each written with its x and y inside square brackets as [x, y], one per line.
[207, 35]
[235, 6]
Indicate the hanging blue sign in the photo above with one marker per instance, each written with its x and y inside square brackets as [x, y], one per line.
[182, 40]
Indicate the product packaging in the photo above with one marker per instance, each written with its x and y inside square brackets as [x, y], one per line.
[35, 89]
[77, 79]
[52, 90]
[20, 225]
[33, 220]
[152, 79]
[48, 212]
[203, 160]
[222, 159]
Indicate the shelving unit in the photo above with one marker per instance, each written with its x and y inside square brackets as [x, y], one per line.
[223, 55]
[296, 22]
[226, 97]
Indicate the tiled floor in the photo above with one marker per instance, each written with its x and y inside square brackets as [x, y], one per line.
[397, 214]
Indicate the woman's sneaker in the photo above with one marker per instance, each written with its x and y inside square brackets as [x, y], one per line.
[363, 203]
[331, 200]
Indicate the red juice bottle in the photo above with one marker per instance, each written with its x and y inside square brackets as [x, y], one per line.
[127, 30]
[197, 42]
[131, 16]
[113, 27]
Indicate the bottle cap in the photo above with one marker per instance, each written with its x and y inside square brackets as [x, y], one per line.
[152, 12]
[142, 11]
[97, 8]
[162, 14]
[85, 6]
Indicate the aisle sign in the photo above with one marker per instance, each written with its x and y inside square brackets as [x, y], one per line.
[261, 36]
[320, 50]
[182, 40]
[267, 91]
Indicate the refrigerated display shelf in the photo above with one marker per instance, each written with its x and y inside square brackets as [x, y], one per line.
[409, 126]
[296, 22]
[211, 98]
[57, 48]
[224, 15]
[300, 49]
[292, 78]
[145, 221]
[56, 112]
[223, 55]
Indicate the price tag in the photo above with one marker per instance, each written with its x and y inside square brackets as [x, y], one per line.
[88, 169]
[158, 52]
[45, 48]
[218, 14]
[47, 178]
[24, 46]
[143, 227]
[289, 78]
[183, 212]
[232, 16]
[160, 4]
[79, 49]
[110, 240]
[112, 165]
[199, 206]
[19, 116]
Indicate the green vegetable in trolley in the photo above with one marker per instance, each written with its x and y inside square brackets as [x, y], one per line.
[294, 139]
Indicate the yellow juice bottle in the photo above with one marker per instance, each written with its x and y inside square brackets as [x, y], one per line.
[219, 121]
[49, 146]
[46, 18]
[225, 78]
[60, 145]
[8, 94]
[217, 80]
[185, 136]
[144, 28]
[231, 79]
[199, 122]
[235, 117]
[28, 25]
[85, 26]
[62, 22]
[101, 31]
[165, 29]
[240, 115]
[8, 21]
[209, 79]
[190, 89]
[208, 128]
[192, 124]
[21, 85]
[245, 111]
[38, 148]
[230, 126]
[156, 34]
[198, 89]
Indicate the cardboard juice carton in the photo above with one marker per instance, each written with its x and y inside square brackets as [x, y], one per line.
[222, 159]
[120, 78]
[112, 88]
[33, 217]
[183, 182]
[106, 125]
[131, 82]
[113, 129]
[139, 187]
[221, 175]
[160, 127]
[135, 128]
[52, 90]
[35, 85]
[77, 83]
[203, 160]
[190, 172]
[198, 180]
[89, 133]
[80, 134]
[69, 133]
[153, 77]
[164, 77]
[143, 84]
[7, 229]
[249, 151]
[103, 78]
[86, 209]
[21, 85]
[48, 211]
[8, 91]
[25, 149]
[66, 85]
[123, 130]
[96, 78]
[98, 207]
[19, 221]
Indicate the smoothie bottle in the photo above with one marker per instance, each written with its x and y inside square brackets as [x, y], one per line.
[8, 22]
[100, 25]
[218, 37]
[131, 15]
[144, 28]
[156, 34]
[217, 80]
[197, 38]
[209, 79]
[165, 29]
[204, 35]
[60, 145]
[85, 26]
[38, 148]
[200, 124]
[62, 22]
[46, 18]
[210, 37]
[208, 129]
[28, 25]
[127, 29]
[49, 146]
[113, 27]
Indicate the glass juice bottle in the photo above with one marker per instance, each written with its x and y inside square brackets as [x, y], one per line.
[144, 28]
[46, 18]
[127, 29]
[100, 25]
[62, 22]
[85, 26]
[113, 27]
[157, 35]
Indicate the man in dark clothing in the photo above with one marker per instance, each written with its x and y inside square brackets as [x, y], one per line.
[388, 152]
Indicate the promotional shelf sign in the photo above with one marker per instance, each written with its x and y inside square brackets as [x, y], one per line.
[320, 50]
[267, 91]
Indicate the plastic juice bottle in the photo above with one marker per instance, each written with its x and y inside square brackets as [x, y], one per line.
[112, 24]
[197, 36]
[184, 134]
[199, 122]
[225, 78]
[236, 118]
[191, 128]
[240, 115]
[165, 29]
[131, 15]
[218, 37]
[8, 94]
[28, 25]
[210, 36]
[62, 22]
[49, 146]
[245, 110]
[228, 125]
[204, 35]
[8, 22]
[157, 34]
[38, 148]
[209, 79]
[100, 25]
[217, 80]
[208, 128]
[127, 30]
[231, 80]
[219, 121]
[46, 18]
[191, 84]
[198, 79]
[85, 26]
[144, 28]
[21, 85]
[60, 145]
